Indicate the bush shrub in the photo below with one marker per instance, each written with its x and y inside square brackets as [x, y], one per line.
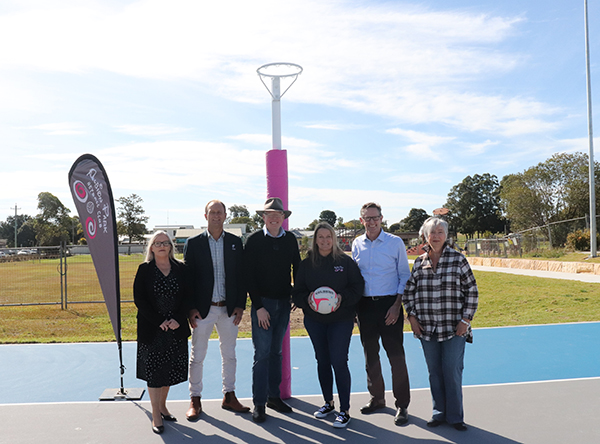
[579, 240]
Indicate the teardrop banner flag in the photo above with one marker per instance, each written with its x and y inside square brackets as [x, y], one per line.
[94, 202]
[96, 208]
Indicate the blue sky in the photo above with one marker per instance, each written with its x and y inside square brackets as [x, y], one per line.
[398, 101]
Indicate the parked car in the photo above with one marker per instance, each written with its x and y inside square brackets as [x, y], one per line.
[23, 252]
[2, 254]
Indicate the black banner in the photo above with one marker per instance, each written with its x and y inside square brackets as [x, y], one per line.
[95, 205]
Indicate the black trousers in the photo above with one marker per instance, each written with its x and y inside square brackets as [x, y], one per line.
[371, 322]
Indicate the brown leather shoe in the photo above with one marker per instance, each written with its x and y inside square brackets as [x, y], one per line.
[195, 409]
[230, 402]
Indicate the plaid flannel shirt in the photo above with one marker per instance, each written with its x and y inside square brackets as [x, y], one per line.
[440, 299]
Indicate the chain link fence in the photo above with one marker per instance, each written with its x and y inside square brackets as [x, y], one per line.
[531, 241]
[61, 275]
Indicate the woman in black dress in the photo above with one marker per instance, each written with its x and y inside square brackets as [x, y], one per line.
[160, 292]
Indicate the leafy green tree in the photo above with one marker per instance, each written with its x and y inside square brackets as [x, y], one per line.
[328, 216]
[353, 224]
[250, 225]
[313, 224]
[554, 190]
[132, 218]
[474, 205]
[76, 231]
[238, 211]
[25, 232]
[414, 220]
[524, 202]
[258, 220]
[53, 224]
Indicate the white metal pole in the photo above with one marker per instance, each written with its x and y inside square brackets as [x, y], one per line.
[276, 109]
[593, 245]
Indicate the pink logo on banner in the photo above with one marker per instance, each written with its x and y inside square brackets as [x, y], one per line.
[90, 226]
[80, 191]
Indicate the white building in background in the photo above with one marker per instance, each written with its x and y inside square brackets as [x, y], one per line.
[171, 230]
[180, 233]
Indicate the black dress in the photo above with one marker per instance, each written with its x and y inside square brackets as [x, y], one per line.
[163, 360]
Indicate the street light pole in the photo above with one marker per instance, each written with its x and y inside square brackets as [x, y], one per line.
[591, 139]
[16, 224]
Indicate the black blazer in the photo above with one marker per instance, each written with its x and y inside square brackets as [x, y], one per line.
[199, 261]
[148, 316]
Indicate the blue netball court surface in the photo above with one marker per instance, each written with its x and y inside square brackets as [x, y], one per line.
[530, 384]
[80, 372]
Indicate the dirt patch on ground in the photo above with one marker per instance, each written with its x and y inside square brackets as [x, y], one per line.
[296, 322]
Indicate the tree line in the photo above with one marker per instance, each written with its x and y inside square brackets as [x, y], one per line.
[551, 191]
[54, 224]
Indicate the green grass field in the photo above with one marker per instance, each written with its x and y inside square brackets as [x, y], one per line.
[505, 300]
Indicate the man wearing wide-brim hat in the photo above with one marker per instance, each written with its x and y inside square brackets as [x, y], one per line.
[271, 256]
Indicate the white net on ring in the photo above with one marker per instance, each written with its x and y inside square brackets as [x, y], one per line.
[288, 72]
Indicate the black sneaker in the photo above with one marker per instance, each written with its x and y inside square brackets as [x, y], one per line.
[324, 411]
[341, 420]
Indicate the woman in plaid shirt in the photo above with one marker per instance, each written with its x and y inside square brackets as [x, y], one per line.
[440, 300]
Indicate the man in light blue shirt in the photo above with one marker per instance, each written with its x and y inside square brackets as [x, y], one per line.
[383, 263]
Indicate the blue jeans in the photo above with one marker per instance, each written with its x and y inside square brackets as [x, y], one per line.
[445, 362]
[331, 343]
[266, 369]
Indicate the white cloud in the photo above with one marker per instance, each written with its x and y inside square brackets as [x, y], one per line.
[304, 156]
[424, 143]
[266, 141]
[416, 178]
[420, 137]
[59, 129]
[150, 130]
[179, 165]
[480, 148]
[331, 126]
[392, 59]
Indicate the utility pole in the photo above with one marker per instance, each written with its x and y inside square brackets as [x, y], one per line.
[593, 245]
[15, 223]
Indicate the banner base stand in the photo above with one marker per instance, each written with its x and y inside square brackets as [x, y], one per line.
[131, 394]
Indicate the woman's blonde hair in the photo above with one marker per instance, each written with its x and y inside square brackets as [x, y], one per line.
[150, 254]
[336, 251]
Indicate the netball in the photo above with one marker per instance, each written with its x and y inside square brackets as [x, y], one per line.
[324, 300]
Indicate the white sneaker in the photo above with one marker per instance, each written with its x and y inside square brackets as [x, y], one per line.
[324, 411]
[341, 420]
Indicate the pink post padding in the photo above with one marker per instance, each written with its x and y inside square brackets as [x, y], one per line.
[277, 186]
[277, 178]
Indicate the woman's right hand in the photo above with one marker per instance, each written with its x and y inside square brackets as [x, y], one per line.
[263, 317]
[415, 326]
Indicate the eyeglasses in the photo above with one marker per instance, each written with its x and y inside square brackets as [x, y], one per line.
[162, 244]
[273, 214]
[371, 218]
